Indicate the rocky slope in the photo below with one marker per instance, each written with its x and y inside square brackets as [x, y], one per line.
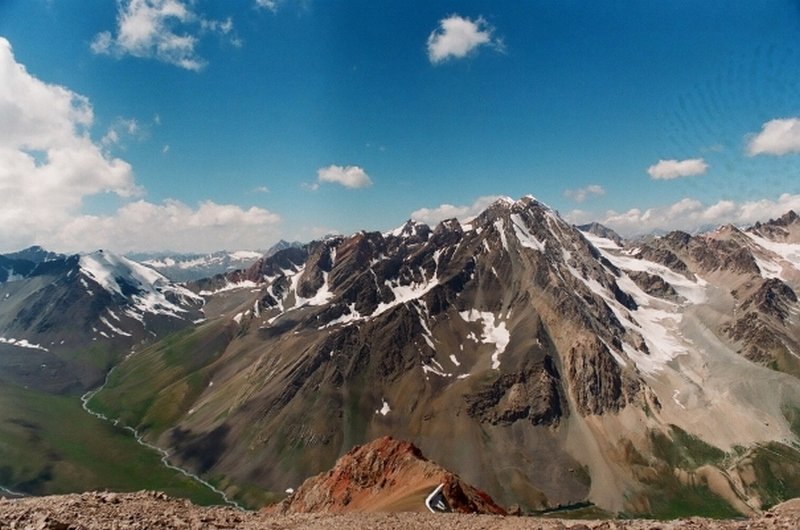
[65, 319]
[385, 475]
[547, 365]
[149, 510]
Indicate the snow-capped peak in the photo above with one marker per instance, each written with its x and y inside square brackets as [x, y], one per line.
[148, 290]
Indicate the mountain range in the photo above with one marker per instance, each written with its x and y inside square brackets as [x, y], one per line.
[548, 365]
[187, 267]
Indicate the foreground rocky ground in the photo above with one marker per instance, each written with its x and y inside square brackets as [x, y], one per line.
[153, 510]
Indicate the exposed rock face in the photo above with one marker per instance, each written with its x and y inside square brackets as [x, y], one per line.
[655, 285]
[535, 395]
[785, 229]
[600, 384]
[385, 475]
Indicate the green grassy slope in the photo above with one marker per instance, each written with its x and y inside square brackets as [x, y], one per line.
[154, 388]
[49, 445]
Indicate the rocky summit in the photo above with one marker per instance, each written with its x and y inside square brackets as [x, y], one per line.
[386, 475]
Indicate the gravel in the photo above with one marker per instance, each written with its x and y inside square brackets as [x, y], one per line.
[154, 510]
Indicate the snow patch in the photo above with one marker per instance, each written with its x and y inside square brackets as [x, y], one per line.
[789, 252]
[351, 316]
[321, 297]
[246, 255]
[426, 368]
[230, 286]
[385, 409]
[657, 325]
[494, 332]
[600, 242]
[113, 328]
[768, 269]
[406, 293]
[501, 228]
[526, 239]
[22, 343]
[693, 291]
[675, 395]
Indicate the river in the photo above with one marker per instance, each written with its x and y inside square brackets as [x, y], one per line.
[140, 439]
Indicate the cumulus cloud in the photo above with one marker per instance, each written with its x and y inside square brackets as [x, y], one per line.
[166, 30]
[457, 37]
[182, 228]
[777, 137]
[691, 215]
[432, 216]
[347, 176]
[672, 169]
[49, 165]
[48, 162]
[580, 194]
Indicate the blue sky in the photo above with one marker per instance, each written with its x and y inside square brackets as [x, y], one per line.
[199, 125]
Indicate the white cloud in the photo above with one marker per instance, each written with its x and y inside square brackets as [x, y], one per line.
[217, 26]
[580, 194]
[49, 165]
[272, 5]
[456, 37]
[261, 189]
[48, 162]
[672, 169]
[181, 228]
[120, 128]
[166, 30]
[690, 215]
[777, 137]
[432, 216]
[347, 176]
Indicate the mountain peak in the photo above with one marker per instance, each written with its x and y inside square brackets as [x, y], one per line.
[603, 231]
[411, 228]
[35, 254]
[386, 474]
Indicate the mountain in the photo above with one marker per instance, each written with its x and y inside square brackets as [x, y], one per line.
[386, 475]
[65, 319]
[17, 265]
[602, 231]
[546, 365]
[191, 267]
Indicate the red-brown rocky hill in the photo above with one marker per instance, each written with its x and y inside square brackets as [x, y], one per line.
[385, 475]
